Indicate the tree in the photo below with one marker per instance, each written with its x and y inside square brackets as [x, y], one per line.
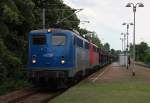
[96, 40]
[140, 50]
[56, 10]
[17, 18]
[147, 56]
[106, 47]
[113, 52]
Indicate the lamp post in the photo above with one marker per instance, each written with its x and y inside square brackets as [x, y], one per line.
[124, 51]
[127, 39]
[122, 42]
[124, 37]
[134, 11]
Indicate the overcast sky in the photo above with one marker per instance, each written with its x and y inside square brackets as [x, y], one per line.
[106, 18]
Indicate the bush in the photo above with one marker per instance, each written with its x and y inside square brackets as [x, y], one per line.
[12, 85]
[10, 65]
[147, 59]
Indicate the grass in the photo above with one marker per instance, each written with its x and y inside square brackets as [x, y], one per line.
[131, 91]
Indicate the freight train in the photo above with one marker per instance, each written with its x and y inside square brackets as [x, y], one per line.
[62, 55]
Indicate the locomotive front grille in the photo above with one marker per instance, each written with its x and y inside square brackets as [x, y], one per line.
[48, 74]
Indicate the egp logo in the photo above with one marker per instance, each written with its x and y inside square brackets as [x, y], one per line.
[49, 55]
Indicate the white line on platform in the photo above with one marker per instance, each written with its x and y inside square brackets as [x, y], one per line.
[94, 79]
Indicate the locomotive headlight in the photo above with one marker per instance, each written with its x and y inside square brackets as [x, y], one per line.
[62, 61]
[49, 30]
[33, 61]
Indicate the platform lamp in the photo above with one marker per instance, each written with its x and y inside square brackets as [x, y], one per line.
[134, 11]
[127, 24]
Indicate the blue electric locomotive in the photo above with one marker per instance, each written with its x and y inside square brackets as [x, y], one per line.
[61, 54]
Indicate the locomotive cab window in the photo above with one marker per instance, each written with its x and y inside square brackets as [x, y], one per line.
[38, 39]
[58, 40]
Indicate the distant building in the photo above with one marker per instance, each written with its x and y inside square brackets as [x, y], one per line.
[122, 59]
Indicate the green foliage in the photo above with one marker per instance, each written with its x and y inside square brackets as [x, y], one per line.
[56, 10]
[12, 85]
[10, 12]
[142, 52]
[3, 70]
[106, 47]
[146, 58]
[9, 63]
[82, 31]
[17, 18]
[96, 40]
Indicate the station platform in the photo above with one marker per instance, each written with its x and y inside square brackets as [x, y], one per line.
[112, 84]
[115, 72]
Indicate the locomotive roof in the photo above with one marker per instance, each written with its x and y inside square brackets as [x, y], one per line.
[60, 30]
[46, 30]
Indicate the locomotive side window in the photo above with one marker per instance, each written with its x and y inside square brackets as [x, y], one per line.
[74, 40]
[86, 45]
[58, 40]
[94, 48]
[38, 39]
[79, 42]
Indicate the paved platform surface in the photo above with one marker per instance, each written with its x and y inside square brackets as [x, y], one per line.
[115, 72]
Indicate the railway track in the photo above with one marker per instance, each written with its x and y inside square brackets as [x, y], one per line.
[28, 95]
[40, 97]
